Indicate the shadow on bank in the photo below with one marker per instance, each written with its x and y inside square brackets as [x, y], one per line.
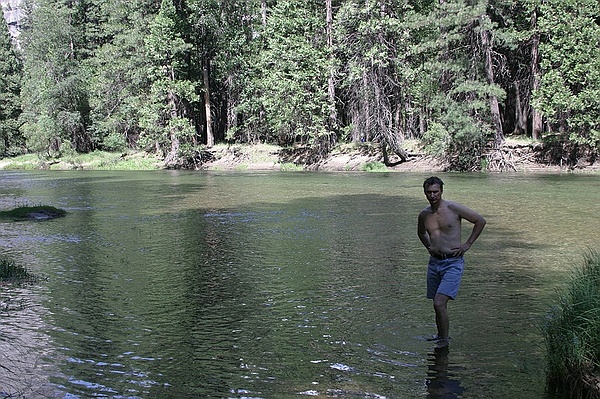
[572, 335]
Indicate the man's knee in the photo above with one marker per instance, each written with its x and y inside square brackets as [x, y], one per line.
[440, 301]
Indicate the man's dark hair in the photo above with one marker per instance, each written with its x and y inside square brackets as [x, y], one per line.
[430, 181]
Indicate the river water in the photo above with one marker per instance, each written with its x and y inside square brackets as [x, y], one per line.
[173, 284]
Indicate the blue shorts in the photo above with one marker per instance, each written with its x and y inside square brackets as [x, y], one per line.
[444, 275]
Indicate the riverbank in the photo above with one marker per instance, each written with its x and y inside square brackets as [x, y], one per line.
[358, 157]
[513, 156]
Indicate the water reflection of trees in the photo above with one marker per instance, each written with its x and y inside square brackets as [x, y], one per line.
[440, 381]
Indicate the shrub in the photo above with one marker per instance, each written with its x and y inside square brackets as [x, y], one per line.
[291, 167]
[373, 167]
[572, 333]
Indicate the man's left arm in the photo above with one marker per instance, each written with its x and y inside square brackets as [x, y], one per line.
[478, 225]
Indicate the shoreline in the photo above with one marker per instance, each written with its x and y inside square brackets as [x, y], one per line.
[511, 158]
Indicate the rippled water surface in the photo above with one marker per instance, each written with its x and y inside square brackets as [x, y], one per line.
[279, 285]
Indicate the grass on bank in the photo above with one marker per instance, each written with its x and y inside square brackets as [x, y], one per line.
[102, 160]
[96, 160]
[572, 333]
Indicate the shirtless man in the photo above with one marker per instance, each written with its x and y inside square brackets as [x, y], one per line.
[439, 229]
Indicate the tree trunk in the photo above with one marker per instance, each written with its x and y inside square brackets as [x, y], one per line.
[422, 124]
[444, 52]
[520, 114]
[536, 117]
[398, 123]
[401, 153]
[263, 12]
[330, 80]
[489, 72]
[210, 138]
[173, 133]
[231, 104]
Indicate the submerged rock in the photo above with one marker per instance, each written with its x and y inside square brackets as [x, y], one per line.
[43, 215]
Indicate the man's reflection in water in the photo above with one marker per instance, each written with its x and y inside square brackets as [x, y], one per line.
[439, 383]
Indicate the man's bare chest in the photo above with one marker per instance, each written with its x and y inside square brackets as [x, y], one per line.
[442, 221]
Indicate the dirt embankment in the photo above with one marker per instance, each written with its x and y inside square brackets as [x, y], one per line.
[512, 156]
[349, 158]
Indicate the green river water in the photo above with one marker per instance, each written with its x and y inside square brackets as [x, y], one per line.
[279, 285]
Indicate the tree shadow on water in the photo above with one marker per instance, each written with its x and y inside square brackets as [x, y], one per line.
[440, 381]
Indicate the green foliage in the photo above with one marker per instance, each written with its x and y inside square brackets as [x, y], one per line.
[286, 100]
[459, 103]
[54, 92]
[114, 75]
[163, 114]
[231, 39]
[131, 163]
[95, 160]
[570, 84]
[165, 44]
[10, 87]
[119, 82]
[22, 162]
[463, 137]
[377, 75]
[572, 330]
[436, 139]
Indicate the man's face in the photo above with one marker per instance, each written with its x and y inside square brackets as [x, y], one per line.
[433, 193]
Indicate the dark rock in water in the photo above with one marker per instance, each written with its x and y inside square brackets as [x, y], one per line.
[44, 215]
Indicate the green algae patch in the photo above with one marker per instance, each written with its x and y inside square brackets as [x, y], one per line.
[40, 212]
[12, 273]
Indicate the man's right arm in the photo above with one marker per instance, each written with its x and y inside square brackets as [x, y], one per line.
[422, 232]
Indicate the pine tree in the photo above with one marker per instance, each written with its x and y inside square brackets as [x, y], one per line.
[11, 140]
[54, 93]
[515, 63]
[373, 47]
[287, 100]
[460, 120]
[167, 125]
[119, 81]
[228, 43]
[570, 61]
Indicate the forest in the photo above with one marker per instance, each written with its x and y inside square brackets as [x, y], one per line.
[174, 77]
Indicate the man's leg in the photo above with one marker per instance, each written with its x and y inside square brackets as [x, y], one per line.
[440, 305]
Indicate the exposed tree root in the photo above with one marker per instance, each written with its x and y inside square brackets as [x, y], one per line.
[565, 155]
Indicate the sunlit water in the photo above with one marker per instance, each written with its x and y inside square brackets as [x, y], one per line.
[279, 285]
